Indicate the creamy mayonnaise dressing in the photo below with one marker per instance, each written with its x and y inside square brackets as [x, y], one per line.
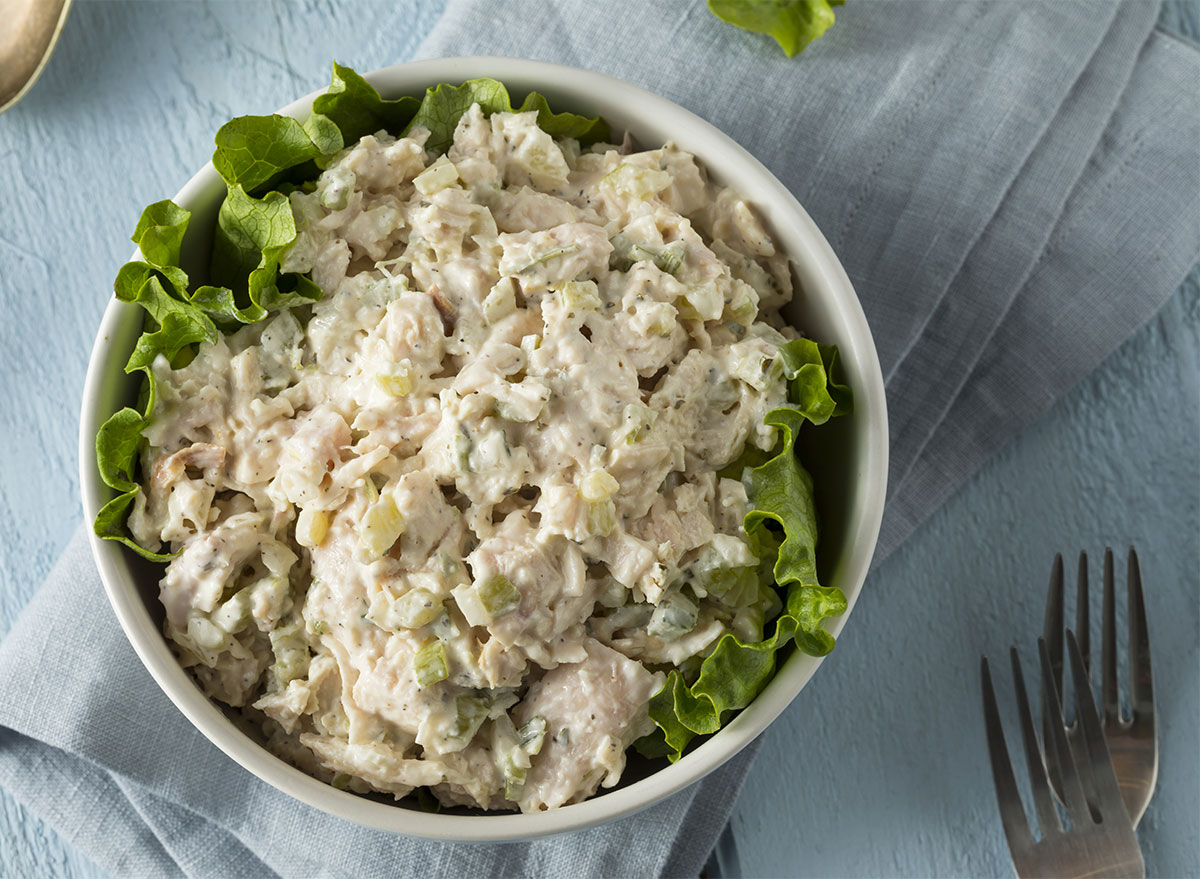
[449, 526]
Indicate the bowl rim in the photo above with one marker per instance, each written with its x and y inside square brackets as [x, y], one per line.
[821, 265]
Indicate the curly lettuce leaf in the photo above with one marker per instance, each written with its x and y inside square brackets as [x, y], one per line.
[252, 236]
[255, 150]
[223, 308]
[117, 446]
[444, 105]
[176, 332]
[175, 322]
[782, 491]
[159, 232]
[782, 525]
[110, 525]
[162, 306]
[793, 24]
[355, 108]
[808, 367]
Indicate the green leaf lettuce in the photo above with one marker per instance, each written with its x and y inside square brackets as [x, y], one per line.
[355, 108]
[793, 24]
[444, 105]
[782, 523]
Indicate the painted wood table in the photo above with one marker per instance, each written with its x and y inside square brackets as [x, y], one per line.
[880, 769]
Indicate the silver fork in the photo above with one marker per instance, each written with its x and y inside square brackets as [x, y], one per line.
[1099, 841]
[1132, 742]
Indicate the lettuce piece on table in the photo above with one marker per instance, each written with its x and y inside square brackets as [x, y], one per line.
[793, 24]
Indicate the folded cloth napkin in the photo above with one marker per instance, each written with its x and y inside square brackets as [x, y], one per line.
[1011, 188]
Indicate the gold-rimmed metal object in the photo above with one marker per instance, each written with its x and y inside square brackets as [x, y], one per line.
[28, 33]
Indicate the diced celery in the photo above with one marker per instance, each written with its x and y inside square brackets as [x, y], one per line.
[399, 382]
[637, 253]
[380, 527]
[291, 655]
[379, 293]
[532, 735]
[663, 317]
[514, 776]
[546, 257]
[602, 517]
[581, 294]
[436, 177]
[430, 665]
[512, 790]
[675, 615]
[523, 401]
[635, 181]
[638, 421]
[620, 259]
[726, 569]
[751, 366]
[311, 527]
[598, 485]
[500, 302]
[415, 608]
[471, 712]
[701, 302]
[670, 258]
[732, 586]
[743, 304]
[335, 187]
[498, 595]
[466, 596]
[463, 446]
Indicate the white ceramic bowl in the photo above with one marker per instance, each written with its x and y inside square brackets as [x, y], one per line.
[848, 457]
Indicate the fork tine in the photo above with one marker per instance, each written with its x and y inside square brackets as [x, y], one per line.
[1108, 647]
[1053, 629]
[1043, 800]
[1103, 778]
[1140, 673]
[1053, 633]
[1083, 626]
[1072, 788]
[1012, 813]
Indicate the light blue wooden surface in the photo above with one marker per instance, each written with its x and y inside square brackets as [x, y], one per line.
[879, 769]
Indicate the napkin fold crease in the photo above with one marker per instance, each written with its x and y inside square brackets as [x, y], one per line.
[1002, 257]
[1008, 186]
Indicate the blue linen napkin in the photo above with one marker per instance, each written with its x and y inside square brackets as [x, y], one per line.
[1005, 184]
